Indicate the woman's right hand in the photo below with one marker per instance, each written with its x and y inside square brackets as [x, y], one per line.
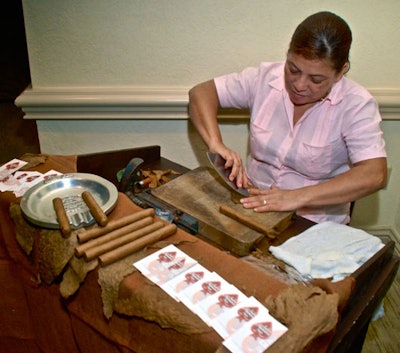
[233, 162]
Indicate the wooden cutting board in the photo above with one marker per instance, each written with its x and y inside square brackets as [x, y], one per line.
[201, 193]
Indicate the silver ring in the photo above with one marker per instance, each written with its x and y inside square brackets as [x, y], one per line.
[264, 202]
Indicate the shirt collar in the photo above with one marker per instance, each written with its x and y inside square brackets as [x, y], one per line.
[335, 96]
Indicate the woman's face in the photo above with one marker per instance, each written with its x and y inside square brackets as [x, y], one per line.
[308, 81]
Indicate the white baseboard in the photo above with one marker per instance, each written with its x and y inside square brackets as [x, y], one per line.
[383, 232]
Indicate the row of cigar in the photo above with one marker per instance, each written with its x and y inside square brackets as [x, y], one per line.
[111, 241]
[122, 237]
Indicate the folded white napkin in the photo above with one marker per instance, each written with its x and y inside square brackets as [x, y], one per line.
[328, 250]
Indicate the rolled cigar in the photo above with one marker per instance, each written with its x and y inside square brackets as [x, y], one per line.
[94, 252]
[62, 218]
[136, 245]
[79, 250]
[112, 225]
[94, 208]
[237, 216]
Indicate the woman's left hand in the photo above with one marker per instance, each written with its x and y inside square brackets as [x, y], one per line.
[363, 179]
[273, 199]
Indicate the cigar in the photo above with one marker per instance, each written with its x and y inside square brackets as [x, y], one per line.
[94, 208]
[62, 218]
[112, 225]
[136, 245]
[237, 216]
[94, 252]
[80, 250]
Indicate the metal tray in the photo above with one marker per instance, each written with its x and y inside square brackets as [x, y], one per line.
[37, 202]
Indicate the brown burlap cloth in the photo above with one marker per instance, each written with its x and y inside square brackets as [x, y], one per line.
[308, 310]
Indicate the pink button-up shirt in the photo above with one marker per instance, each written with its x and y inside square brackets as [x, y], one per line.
[342, 129]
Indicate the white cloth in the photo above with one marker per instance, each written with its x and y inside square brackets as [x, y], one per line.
[328, 250]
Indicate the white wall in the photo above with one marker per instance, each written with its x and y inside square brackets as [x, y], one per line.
[101, 68]
[180, 42]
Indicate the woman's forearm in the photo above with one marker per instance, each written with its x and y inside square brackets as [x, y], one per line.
[203, 109]
[363, 179]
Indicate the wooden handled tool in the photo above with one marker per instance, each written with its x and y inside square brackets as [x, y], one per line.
[94, 252]
[62, 218]
[136, 245]
[80, 250]
[94, 208]
[113, 225]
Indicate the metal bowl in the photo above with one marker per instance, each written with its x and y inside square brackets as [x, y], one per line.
[37, 202]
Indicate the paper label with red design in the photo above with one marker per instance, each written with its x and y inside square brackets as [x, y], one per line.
[211, 284]
[20, 181]
[29, 179]
[164, 264]
[233, 319]
[215, 305]
[256, 335]
[184, 280]
[25, 181]
[11, 167]
[8, 182]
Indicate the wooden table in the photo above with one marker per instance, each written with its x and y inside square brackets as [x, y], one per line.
[373, 279]
[70, 320]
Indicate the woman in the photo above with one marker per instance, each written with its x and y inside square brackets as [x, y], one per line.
[315, 137]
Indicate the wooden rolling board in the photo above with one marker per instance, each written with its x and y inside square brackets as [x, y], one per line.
[201, 192]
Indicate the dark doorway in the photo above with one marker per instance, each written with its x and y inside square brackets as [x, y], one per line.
[17, 136]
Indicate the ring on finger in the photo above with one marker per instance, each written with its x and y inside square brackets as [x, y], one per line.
[264, 202]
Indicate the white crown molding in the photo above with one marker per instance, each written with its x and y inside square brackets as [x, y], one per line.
[389, 102]
[103, 103]
[139, 103]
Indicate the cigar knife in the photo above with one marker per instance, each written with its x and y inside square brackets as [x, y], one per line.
[218, 163]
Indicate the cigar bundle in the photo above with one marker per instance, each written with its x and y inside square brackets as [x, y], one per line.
[122, 237]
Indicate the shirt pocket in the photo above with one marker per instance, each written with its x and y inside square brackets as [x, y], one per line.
[322, 162]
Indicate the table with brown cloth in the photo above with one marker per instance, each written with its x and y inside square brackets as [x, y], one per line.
[139, 317]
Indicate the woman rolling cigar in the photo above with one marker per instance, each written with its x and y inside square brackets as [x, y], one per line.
[315, 137]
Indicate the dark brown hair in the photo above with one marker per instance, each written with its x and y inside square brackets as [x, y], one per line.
[323, 35]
